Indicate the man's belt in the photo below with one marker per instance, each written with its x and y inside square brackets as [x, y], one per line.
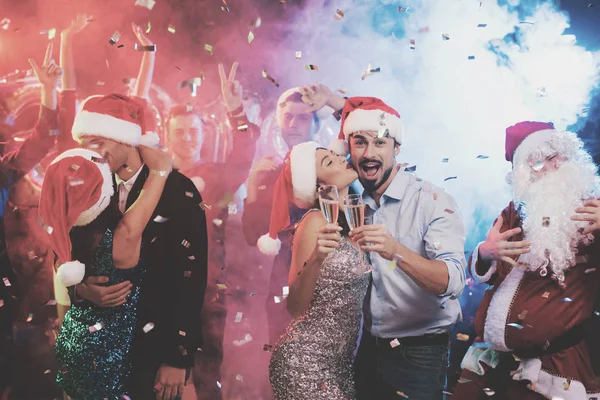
[415, 341]
[567, 340]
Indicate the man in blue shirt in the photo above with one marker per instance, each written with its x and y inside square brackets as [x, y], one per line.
[415, 237]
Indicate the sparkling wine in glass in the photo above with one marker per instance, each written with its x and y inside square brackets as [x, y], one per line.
[329, 202]
[354, 210]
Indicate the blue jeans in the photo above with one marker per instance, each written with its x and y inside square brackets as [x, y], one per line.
[383, 372]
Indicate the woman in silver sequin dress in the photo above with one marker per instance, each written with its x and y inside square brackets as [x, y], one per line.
[313, 358]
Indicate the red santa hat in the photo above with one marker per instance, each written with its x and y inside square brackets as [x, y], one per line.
[367, 114]
[524, 137]
[115, 117]
[296, 184]
[76, 189]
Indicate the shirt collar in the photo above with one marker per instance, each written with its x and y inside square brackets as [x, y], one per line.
[129, 182]
[394, 191]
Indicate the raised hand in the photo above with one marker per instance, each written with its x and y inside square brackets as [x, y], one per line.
[156, 159]
[78, 24]
[375, 238]
[230, 88]
[497, 247]
[589, 212]
[49, 73]
[141, 35]
[316, 96]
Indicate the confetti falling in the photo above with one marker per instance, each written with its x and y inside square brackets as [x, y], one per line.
[445, 36]
[6, 282]
[5, 23]
[268, 347]
[114, 38]
[205, 206]
[159, 219]
[394, 343]
[209, 49]
[255, 23]
[151, 47]
[148, 28]
[339, 14]
[187, 274]
[265, 75]
[515, 325]
[590, 270]
[546, 295]
[450, 178]
[401, 394]
[238, 317]
[567, 300]
[171, 29]
[29, 318]
[250, 37]
[185, 244]
[545, 222]
[462, 337]
[240, 342]
[75, 181]
[370, 71]
[482, 157]
[149, 4]
[449, 211]
[191, 258]
[481, 25]
[489, 392]
[298, 55]
[148, 327]
[311, 67]
[411, 169]
[96, 327]
[51, 33]
[471, 57]
[445, 160]
[217, 222]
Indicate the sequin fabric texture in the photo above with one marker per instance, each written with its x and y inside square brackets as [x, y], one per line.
[313, 358]
[93, 343]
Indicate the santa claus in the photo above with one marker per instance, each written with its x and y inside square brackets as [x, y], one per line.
[541, 260]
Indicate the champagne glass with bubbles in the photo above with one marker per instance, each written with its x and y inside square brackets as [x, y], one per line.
[330, 203]
[354, 210]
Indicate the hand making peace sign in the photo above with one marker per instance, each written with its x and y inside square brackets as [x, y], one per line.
[49, 73]
[230, 88]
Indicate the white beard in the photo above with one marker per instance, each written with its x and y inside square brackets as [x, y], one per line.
[547, 205]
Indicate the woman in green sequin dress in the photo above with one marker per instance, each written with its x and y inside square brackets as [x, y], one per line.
[93, 344]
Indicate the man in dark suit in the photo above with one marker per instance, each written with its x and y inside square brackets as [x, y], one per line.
[175, 243]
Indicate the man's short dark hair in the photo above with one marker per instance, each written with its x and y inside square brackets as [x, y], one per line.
[296, 97]
[182, 109]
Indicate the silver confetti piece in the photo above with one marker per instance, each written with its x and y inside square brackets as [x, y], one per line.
[6, 282]
[189, 194]
[219, 384]
[75, 181]
[515, 325]
[239, 377]
[182, 333]
[148, 327]
[159, 219]
[217, 222]
[191, 258]
[238, 317]
[115, 38]
[187, 274]
[567, 300]
[538, 165]
[96, 327]
[394, 343]
[488, 391]
[590, 270]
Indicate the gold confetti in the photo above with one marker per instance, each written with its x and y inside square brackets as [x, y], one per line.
[298, 55]
[217, 222]
[29, 318]
[370, 71]
[74, 167]
[185, 244]
[171, 29]
[250, 37]
[221, 286]
[522, 315]
[51, 33]
[401, 394]
[462, 337]
[262, 187]
[209, 49]
[546, 295]
[311, 67]
[567, 384]
[182, 333]
[339, 14]
[148, 28]
[269, 78]
[205, 206]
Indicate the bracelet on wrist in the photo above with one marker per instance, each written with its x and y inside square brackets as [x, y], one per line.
[162, 173]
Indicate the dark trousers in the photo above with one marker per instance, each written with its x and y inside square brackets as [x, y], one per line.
[207, 368]
[384, 372]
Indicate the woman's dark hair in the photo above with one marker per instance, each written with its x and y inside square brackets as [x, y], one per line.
[85, 239]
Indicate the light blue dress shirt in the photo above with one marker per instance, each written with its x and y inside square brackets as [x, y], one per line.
[427, 221]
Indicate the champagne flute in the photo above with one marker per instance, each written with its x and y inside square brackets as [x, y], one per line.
[354, 210]
[329, 202]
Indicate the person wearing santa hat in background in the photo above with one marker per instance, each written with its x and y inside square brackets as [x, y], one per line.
[313, 358]
[175, 243]
[415, 237]
[92, 348]
[216, 182]
[297, 118]
[13, 167]
[541, 257]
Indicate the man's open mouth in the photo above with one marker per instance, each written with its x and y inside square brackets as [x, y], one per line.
[370, 168]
